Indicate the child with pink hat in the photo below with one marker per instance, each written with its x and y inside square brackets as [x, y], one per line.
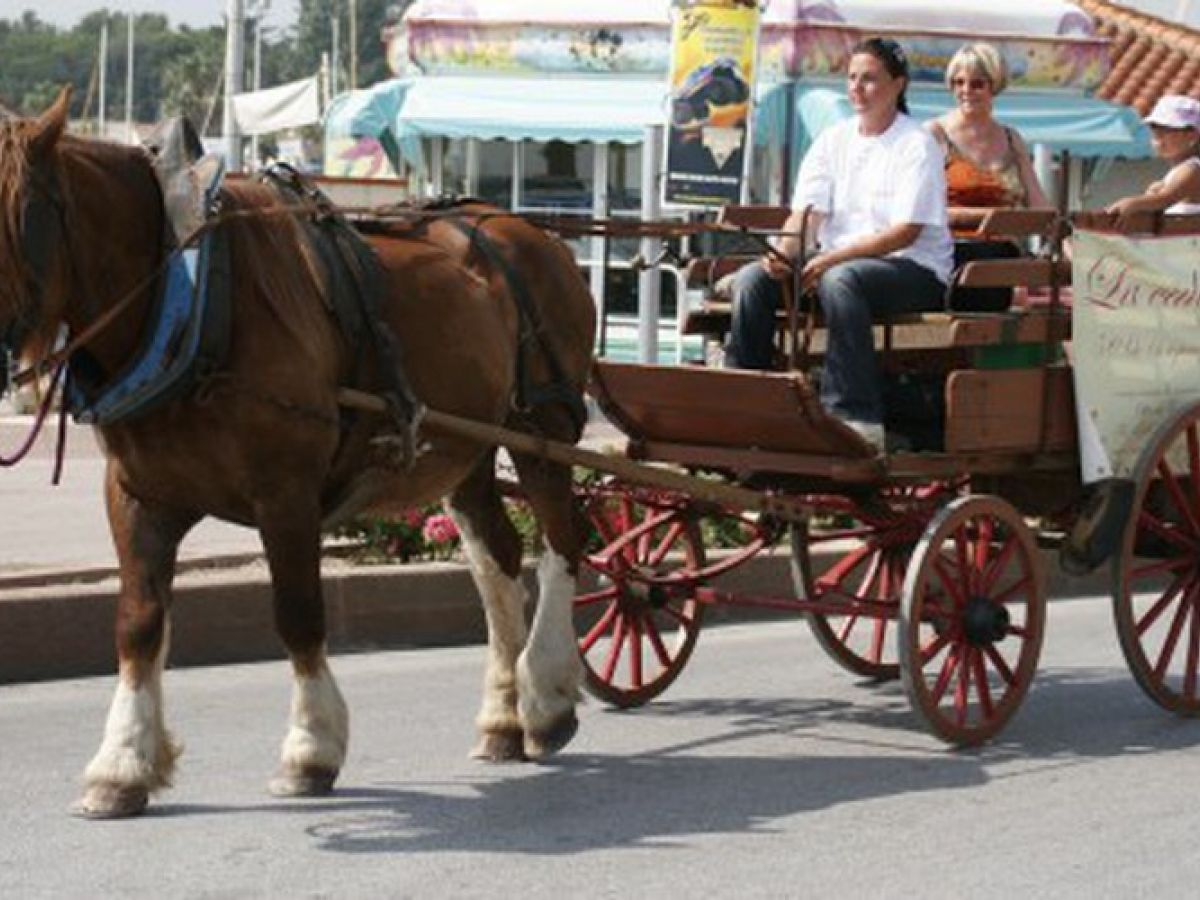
[1175, 131]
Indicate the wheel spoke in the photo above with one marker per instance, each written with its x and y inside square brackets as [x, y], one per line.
[963, 689]
[983, 546]
[998, 565]
[1152, 524]
[588, 641]
[656, 641]
[678, 616]
[614, 651]
[844, 566]
[957, 597]
[1194, 463]
[1168, 645]
[949, 664]
[981, 685]
[635, 652]
[1176, 492]
[847, 627]
[1013, 590]
[933, 648]
[673, 532]
[1159, 567]
[1002, 667]
[961, 557]
[599, 596]
[1151, 615]
[1193, 654]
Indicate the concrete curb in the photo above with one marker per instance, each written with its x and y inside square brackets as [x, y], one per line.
[52, 628]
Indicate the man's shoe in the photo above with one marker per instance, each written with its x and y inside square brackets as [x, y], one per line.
[871, 432]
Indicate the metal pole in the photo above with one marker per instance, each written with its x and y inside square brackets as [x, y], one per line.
[103, 115]
[334, 56]
[234, 64]
[649, 280]
[353, 44]
[129, 136]
[260, 12]
[599, 250]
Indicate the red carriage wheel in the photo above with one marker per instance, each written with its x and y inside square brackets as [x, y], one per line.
[637, 616]
[971, 619]
[1156, 574]
[873, 543]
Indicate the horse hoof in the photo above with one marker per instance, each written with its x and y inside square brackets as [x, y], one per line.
[111, 802]
[315, 783]
[539, 745]
[500, 747]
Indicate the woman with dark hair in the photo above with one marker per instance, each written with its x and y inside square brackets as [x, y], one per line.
[875, 189]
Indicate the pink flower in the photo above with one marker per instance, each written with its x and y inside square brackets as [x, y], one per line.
[439, 529]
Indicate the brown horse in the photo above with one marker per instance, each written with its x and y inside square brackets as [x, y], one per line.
[264, 442]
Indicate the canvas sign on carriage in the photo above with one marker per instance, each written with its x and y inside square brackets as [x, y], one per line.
[1136, 335]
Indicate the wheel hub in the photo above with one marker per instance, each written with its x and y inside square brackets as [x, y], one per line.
[638, 596]
[985, 621]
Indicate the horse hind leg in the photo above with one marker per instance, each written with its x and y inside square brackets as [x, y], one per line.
[493, 550]
[549, 670]
[137, 755]
[314, 747]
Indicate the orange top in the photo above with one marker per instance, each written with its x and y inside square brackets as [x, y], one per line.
[970, 184]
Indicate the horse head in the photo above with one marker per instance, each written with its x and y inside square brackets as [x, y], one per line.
[81, 225]
[31, 223]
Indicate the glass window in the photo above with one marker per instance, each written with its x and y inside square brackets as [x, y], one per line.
[557, 177]
[495, 173]
[625, 178]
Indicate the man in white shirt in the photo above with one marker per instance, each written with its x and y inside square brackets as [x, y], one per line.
[874, 188]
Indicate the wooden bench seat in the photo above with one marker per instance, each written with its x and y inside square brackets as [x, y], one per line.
[1036, 275]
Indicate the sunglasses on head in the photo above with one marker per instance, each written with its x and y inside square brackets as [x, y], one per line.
[974, 84]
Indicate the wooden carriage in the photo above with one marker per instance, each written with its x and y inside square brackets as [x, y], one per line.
[932, 570]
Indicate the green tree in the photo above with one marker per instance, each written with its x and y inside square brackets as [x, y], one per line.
[314, 36]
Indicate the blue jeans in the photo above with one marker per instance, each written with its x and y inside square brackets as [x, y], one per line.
[852, 294]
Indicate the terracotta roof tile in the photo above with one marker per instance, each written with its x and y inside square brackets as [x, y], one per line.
[1150, 56]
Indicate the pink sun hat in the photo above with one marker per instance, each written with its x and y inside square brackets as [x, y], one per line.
[1175, 111]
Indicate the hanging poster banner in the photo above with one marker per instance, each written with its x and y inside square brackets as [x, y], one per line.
[711, 82]
[1136, 334]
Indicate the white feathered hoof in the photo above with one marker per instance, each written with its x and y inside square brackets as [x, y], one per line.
[309, 783]
[548, 741]
[501, 746]
[108, 801]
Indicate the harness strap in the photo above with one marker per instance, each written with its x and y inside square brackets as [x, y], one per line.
[531, 330]
[355, 286]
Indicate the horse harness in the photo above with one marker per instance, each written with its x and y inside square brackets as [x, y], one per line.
[531, 331]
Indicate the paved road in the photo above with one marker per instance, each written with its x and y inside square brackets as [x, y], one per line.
[764, 772]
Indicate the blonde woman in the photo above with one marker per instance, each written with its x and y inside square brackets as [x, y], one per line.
[987, 163]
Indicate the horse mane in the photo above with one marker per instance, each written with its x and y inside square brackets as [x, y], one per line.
[14, 144]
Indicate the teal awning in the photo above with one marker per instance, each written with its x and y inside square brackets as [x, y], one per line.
[600, 109]
[1083, 126]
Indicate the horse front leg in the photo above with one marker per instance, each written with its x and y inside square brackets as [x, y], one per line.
[549, 670]
[493, 550]
[314, 747]
[137, 754]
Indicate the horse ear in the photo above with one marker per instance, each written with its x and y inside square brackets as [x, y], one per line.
[49, 126]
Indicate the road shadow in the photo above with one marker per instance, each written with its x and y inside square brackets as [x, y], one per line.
[716, 784]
